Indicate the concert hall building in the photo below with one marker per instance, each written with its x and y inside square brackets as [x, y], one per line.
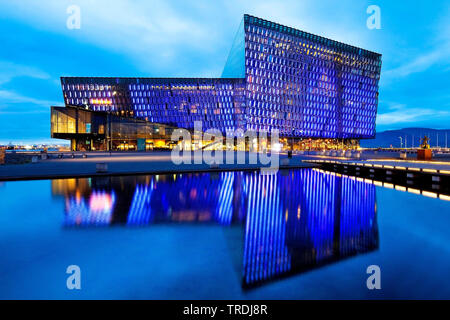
[318, 93]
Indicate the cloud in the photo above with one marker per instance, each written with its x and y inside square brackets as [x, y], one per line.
[402, 114]
[144, 31]
[160, 34]
[437, 53]
[10, 70]
[9, 98]
[420, 63]
[13, 102]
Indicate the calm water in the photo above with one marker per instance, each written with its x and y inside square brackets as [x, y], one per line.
[237, 235]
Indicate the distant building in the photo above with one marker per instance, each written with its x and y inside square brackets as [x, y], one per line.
[317, 92]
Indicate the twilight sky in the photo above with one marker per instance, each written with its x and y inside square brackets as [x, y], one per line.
[174, 38]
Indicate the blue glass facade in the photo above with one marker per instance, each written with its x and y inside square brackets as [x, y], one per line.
[216, 103]
[308, 86]
[275, 77]
[292, 228]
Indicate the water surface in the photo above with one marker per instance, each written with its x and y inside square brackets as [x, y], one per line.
[236, 235]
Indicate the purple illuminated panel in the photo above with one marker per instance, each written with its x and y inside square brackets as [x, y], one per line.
[308, 86]
[216, 103]
[96, 210]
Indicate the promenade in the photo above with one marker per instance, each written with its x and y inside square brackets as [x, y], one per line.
[125, 163]
[409, 164]
[160, 162]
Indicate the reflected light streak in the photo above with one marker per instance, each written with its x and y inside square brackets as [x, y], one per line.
[95, 211]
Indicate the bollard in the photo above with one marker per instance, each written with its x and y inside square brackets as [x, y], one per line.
[101, 167]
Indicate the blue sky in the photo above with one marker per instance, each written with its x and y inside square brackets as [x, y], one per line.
[192, 39]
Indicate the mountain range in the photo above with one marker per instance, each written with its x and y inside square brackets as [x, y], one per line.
[412, 136]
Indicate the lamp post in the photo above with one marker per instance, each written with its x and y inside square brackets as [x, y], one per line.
[109, 138]
[446, 146]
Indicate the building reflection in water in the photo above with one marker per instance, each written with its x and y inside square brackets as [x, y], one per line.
[305, 219]
[294, 220]
[85, 206]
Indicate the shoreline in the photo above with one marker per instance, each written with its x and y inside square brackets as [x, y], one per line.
[122, 164]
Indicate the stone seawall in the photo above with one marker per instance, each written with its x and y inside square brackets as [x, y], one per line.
[19, 158]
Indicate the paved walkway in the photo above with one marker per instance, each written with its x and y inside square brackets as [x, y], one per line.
[425, 166]
[122, 164]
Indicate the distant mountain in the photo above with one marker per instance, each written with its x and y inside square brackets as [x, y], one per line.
[411, 135]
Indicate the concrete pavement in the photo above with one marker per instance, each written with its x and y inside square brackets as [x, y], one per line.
[125, 164]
